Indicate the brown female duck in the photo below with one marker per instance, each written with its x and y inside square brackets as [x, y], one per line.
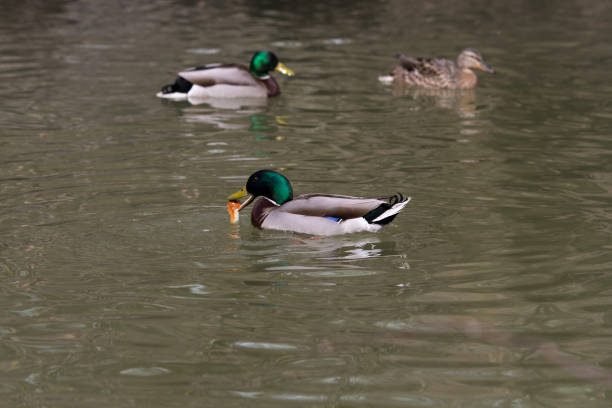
[438, 72]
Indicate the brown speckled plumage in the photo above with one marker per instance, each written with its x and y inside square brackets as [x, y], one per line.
[439, 72]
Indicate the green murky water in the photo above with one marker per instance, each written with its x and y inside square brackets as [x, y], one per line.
[123, 283]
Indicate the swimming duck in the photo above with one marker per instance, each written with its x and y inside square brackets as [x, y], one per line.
[221, 80]
[438, 72]
[316, 214]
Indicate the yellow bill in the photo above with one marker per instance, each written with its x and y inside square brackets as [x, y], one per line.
[283, 69]
[234, 206]
[238, 194]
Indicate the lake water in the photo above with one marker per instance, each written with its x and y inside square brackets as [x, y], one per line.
[124, 284]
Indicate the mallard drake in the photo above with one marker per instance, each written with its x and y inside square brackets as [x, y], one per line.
[316, 214]
[221, 80]
[438, 72]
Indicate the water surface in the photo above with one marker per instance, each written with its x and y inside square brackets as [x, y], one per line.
[124, 284]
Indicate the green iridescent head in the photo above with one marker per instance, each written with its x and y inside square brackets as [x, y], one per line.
[265, 183]
[270, 184]
[265, 61]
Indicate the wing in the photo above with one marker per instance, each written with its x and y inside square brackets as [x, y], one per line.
[211, 74]
[337, 206]
[424, 66]
[409, 63]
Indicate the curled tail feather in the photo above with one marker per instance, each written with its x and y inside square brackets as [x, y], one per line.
[385, 213]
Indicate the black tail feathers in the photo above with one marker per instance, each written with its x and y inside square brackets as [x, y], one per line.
[181, 85]
[375, 213]
[380, 210]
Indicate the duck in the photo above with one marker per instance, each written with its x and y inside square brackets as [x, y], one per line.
[314, 214]
[438, 72]
[227, 80]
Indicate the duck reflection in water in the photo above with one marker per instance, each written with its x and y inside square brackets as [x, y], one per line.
[329, 253]
[228, 103]
[222, 119]
[237, 117]
[460, 101]
[450, 82]
[339, 247]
